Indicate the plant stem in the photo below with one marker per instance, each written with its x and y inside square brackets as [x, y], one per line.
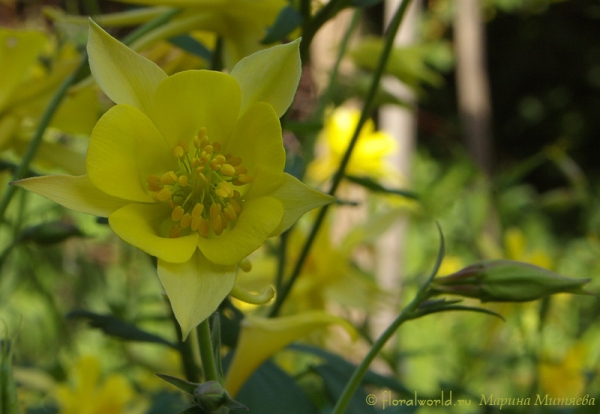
[356, 378]
[206, 353]
[337, 178]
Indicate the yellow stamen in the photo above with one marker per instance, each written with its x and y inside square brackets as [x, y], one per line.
[215, 210]
[168, 178]
[153, 179]
[245, 178]
[186, 220]
[196, 221]
[197, 211]
[155, 187]
[230, 212]
[177, 213]
[183, 144]
[203, 228]
[222, 190]
[178, 152]
[236, 206]
[241, 170]
[234, 161]
[227, 169]
[175, 232]
[183, 180]
[164, 194]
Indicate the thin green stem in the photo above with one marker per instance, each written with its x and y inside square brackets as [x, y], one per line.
[311, 27]
[360, 371]
[206, 353]
[325, 98]
[337, 178]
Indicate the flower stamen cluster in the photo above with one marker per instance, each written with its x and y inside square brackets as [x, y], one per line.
[201, 193]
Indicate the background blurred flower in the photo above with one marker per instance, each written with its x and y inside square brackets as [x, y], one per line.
[89, 393]
[26, 87]
[369, 156]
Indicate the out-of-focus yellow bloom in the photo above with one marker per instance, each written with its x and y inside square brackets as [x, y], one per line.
[261, 338]
[241, 23]
[516, 249]
[89, 393]
[565, 379]
[26, 87]
[449, 265]
[328, 276]
[189, 168]
[369, 155]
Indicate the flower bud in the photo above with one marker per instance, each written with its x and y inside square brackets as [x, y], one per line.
[211, 396]
[506, 281]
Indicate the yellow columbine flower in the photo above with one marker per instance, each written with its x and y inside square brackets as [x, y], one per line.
[189, 168]
[262, 338]
[241, 23]
[90, 394]
[26, 88]
[368, 158]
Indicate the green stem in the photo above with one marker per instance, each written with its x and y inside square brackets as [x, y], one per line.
[325, 98]
[360, 371]
[312, 26]
[337, 178]
[206, 353]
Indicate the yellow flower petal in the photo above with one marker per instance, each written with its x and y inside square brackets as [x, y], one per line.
[189, 100]
[257, 139]
[76, 193]
[258, 219]
[297, 198]
[18, 52]
[195, 288]
[139, 224]
[270, 75]
[125, 148]
[262, 337]
[125, 76]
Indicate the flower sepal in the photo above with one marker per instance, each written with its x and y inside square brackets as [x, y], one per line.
[209, 397]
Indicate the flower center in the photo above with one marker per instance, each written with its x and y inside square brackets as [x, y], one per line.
[202, 193]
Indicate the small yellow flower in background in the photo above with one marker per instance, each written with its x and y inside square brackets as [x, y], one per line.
[369, 156]
[565, 379]
[328, 276]
[516, 249]
[189, 168]
[89, 393]
[260, 338]
[26, 87]
[241, 23]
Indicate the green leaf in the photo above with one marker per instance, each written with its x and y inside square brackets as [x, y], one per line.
[271, 390]
[191, 45]
[374, 186]
[365, 3]
[287, 21]
[116, 327]
[8, 389]
[184, 385]
[49, 233]
[346, 369]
